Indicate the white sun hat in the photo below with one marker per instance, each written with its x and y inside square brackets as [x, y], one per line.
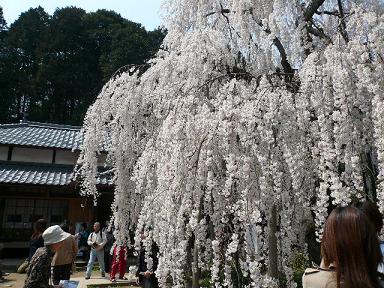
[54, 234]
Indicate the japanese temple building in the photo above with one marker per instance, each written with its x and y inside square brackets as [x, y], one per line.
[37, 180]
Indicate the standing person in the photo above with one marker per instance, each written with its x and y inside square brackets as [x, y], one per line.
[119, 262]
[40, 266]
[108, 232]
[83, 238]
[36, 239]
[1, 272]
[97, 240]
[35, 243]
[146, 275]
[64, 258]
[350, 252]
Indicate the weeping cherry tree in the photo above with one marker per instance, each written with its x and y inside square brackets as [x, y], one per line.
[254, 118]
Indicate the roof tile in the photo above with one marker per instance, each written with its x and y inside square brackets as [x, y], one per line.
[41, 135]
[54, 175]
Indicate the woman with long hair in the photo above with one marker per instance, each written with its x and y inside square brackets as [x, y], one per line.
[350, 252]
[35, 243]
[37, 239]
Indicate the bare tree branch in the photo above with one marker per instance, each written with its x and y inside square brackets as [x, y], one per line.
[223, 12]
[318, 31]
[276, 41]
[312, 8]
[332, 13]
[342, 26]
[210, 13]
[308, 14]
[284, 61]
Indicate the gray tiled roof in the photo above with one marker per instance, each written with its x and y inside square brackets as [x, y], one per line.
[41, 135]
[38, 174]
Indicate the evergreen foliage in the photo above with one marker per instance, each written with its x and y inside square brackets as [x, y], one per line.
[53, 66]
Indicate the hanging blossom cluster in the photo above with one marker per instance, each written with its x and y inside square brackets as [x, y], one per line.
[253, 117]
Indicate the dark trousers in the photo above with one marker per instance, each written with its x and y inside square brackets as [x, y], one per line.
[61, 272]
[147, 283]
[107, 260]
[150, 282]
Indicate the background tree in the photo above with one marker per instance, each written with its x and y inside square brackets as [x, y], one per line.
[101, 25]
[66, 78]
[25, 38]
[5, 99]
[53, 67]
[3, 23]
[255, 119]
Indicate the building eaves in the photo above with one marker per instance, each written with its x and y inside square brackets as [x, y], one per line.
[42, 174]
[41, 135]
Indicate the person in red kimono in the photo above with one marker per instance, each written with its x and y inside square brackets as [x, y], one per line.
[119, 262]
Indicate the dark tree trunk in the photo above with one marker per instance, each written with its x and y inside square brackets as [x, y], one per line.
[272, 242]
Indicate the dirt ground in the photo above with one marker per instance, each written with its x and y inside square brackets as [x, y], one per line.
[16, 280]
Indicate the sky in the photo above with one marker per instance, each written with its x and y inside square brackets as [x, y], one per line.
[145, 12]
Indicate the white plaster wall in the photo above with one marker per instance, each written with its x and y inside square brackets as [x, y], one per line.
[32, 155]
[3, 152]
[65, 157]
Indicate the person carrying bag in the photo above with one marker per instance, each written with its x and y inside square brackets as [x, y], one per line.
[97, 240]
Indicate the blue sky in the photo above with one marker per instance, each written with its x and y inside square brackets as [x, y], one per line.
[146, 12]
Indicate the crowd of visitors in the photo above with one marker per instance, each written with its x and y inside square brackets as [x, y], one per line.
[352, 254]
[53, 251]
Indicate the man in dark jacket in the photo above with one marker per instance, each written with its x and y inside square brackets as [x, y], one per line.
[147, 277]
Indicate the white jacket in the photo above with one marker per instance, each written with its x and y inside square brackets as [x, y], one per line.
[99, 238]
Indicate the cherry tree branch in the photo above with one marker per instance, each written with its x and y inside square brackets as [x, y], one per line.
[331, 13]
[318, 31]
[223, 12]
[276, 41]
[308, 14]
[343, 26]
[312, 8]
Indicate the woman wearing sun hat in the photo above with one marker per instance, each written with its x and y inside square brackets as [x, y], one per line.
[40, 265]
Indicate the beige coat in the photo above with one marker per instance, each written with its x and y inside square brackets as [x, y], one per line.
[322, 278]
[319, 278]
[67, 252]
